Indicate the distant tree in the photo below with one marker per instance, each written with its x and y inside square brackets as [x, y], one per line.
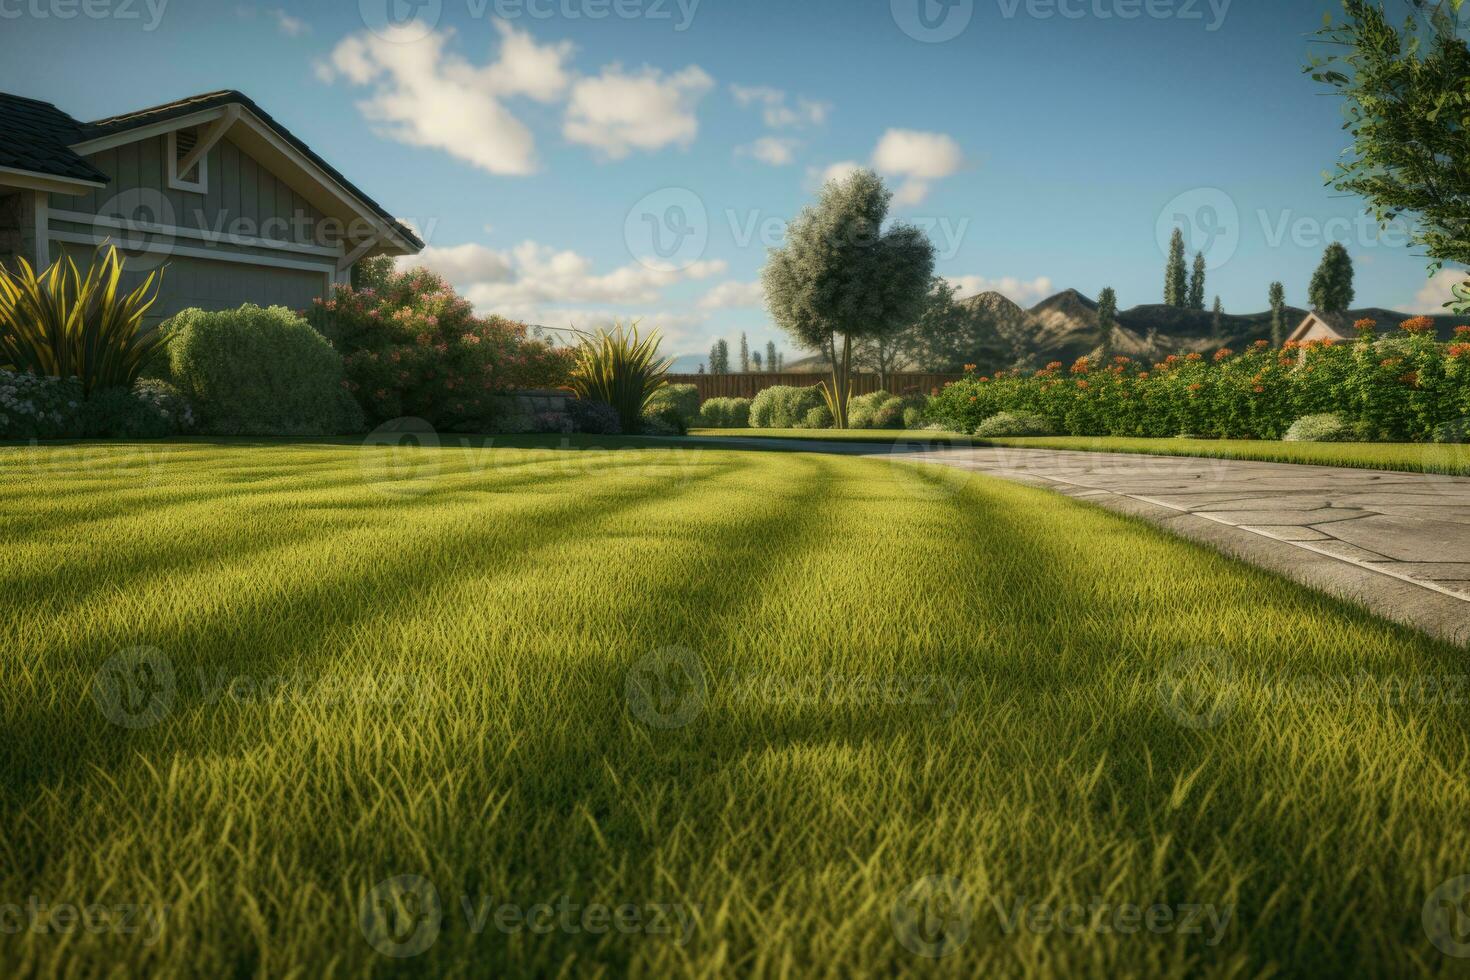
[1176, 285]
[1197, 283]
[701, 369]
[724, 350]
[771, 363]
[780, 361]
[1217, 320]
[1278, 314]
[744, 354]
[1107, 321]
[372, 273]
[755, 361]
[1332, 284]
[1405, 98]
[841, 279]
[714, 358]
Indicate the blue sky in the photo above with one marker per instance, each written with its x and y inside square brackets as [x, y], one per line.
[1044, 144]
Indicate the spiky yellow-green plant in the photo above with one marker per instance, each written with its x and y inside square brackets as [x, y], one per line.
[620, 368]
[65, 324]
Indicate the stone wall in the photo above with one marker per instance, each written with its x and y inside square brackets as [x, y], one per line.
[534, 411]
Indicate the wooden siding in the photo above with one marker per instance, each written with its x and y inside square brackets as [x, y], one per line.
[238, 190]
[749, 385]
[209, 285]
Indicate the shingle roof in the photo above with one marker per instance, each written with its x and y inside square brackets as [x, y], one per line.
[224, 97]
[35, 136]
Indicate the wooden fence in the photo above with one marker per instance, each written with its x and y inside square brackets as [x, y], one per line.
[749, 385]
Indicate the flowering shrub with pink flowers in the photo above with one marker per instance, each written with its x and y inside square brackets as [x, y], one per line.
[1405, 386]
[413, 347]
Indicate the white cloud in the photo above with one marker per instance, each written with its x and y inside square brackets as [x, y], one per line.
[464, 265]
[837, 171]
[425, 96]
[920, 157]
[775, 109]
[1023, 292]
[618, 112]
[1436, 292]
[773, 150]
[524, 279]
[288, 25]
[733, 295]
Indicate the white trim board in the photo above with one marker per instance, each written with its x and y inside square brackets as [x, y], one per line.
[127, 136]
[217, 255]
[105, 221]
[32, 181]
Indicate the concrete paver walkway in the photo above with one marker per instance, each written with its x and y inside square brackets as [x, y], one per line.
[1398, 543]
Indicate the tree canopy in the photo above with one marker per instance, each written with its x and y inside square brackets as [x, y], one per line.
[843, 278]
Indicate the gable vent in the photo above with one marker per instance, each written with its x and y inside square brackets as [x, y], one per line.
[184, 142]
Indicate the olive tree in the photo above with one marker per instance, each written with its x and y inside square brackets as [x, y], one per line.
[1405, 99]
[841, 278]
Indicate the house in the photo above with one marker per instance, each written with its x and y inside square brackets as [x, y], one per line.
[1338, 327]
[235, 206]
[1324, 326]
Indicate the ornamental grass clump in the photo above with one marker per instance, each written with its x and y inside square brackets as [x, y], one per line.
[63, 323]
[621, 369]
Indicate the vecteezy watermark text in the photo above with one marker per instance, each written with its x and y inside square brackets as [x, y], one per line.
[42, 918]
[148, 11]
[403, 916]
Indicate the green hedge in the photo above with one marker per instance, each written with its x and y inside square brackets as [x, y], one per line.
[1402, 387]
[784, 407]
[259, 372]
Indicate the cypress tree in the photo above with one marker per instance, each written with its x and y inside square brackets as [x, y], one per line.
[744, 354]
[771, 355]
[1217, 322]
[1107, 318]
[1278, 314]
[1176, 286]
[1197, 283]
[1332, 284]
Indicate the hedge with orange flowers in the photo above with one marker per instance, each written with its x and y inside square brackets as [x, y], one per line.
[1403, 387]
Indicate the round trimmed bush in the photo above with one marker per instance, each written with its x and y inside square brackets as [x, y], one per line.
[1013, 424]
[817, 418]
[259, 372]
[1327, 427]
[725, 413]
[783, 407]
[683, 399]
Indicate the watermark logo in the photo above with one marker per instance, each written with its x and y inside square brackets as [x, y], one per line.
[1447, 917]
[401, 916]
[666, 688]
[1198, 687]
[400, 458]
[1209, 220]
[141, 222]
[401, 21]
[1440, 17]
[933, 916]
[667, 230]
[135, 688]
[932, 21]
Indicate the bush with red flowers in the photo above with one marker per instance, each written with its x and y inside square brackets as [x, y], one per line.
[1404, 386]
[413, 347]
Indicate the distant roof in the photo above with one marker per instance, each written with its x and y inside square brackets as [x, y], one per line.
[38, 137]
[46, 135]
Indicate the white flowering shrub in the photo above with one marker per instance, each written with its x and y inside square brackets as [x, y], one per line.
[35, 407]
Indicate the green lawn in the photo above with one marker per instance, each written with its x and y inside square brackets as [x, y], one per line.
[1406, 456]
[737, 702]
